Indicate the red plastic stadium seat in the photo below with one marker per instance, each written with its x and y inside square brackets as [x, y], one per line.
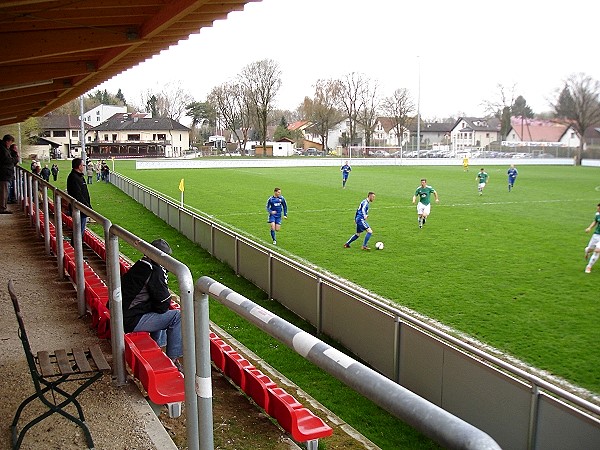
[301, 423]
[257, 384]
[155, 370]
[234, 368]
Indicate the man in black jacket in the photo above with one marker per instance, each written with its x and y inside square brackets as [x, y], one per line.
[77, 188]
[7, 171]
[146, 300]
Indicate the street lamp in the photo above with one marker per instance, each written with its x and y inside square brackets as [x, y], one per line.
[419, 108]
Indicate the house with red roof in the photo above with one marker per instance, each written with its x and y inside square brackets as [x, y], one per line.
[540, 132]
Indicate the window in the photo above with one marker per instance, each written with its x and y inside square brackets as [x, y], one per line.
[114, 138]
[75, 133]
[133, 137]
[59, 133]
[106, 137]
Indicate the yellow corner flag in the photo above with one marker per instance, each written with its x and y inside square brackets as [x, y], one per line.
[181, 186]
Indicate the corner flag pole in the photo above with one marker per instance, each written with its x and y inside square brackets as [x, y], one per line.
[181, 188]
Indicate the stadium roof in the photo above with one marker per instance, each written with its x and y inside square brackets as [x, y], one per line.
[55, 51]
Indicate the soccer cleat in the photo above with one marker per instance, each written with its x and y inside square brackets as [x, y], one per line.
[274, 242]
[588, 269]
[424, 220]
[364, 247]
[346, 245]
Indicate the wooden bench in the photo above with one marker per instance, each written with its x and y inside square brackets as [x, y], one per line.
[50, 372]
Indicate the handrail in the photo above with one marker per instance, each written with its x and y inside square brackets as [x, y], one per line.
[433, 421]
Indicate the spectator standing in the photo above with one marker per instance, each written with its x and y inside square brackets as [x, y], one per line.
[361, 216]
[45, 173]
[7, 171]
[146, 301]
[12, 194]
[90, 172]
[54, 171]
[593, 246]
[105, 173]
[346, 169]
[423, 193]
[98, 168]
[77, 188]
[277, 208]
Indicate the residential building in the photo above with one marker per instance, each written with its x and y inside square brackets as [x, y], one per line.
[100, 113]
[62, 133]
[474, 133]
[432, 133]
[385, 133]
[539, 132]
[136, 135]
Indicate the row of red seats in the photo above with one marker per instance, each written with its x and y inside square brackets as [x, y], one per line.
[161, 379]
[300, 422]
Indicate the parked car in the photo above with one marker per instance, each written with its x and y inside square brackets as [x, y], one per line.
[311, 151]
[380, 154]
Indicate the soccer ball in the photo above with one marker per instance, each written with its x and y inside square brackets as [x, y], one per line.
[379, 245]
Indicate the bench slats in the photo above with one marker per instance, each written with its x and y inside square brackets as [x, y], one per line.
[99, 359]
[45, 364]
[81, 359]
[62, 359]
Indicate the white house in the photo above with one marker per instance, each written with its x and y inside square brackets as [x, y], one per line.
[100, 113]
[136, 135]
[473, 132]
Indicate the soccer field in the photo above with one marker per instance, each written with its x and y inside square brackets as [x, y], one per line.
[504, 268]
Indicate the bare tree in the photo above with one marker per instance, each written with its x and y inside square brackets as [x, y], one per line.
[585, 108]
[170, 102]
[234, 110]
[261, 81]
[350, 96]
[501, 108]
[398, 107]
[322, 110]
[369, 108]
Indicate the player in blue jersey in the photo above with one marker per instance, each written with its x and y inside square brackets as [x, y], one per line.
[362, 214]
[512, 176]
[346, 169]
[277, 208]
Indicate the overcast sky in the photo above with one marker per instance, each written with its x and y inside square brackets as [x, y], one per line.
[462, 50]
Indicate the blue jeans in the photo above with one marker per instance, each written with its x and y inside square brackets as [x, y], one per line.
[165, 329]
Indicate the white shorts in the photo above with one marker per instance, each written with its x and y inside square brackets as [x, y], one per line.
[481, 185]
[423, 210]
[594, 243]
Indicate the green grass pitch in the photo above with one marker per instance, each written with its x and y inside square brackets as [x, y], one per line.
[504, 268]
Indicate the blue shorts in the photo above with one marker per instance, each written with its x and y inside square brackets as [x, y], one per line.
[362, 225]
[274, 218]
[345, 176]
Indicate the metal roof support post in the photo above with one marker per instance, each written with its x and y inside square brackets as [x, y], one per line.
[36, 215]
[203, 371]
[46, 220]
[78, 246]
[116, 307]
[60, 249]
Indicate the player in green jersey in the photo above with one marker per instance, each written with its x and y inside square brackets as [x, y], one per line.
[593, 246]
[423, 193]
[482, 179]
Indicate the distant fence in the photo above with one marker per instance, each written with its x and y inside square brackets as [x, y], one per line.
[517, 409]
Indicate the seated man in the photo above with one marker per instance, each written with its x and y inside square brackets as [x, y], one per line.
[146, 300]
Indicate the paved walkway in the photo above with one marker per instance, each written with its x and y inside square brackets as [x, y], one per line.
[118, 417]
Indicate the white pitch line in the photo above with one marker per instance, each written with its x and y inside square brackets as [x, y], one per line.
[411, 206]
